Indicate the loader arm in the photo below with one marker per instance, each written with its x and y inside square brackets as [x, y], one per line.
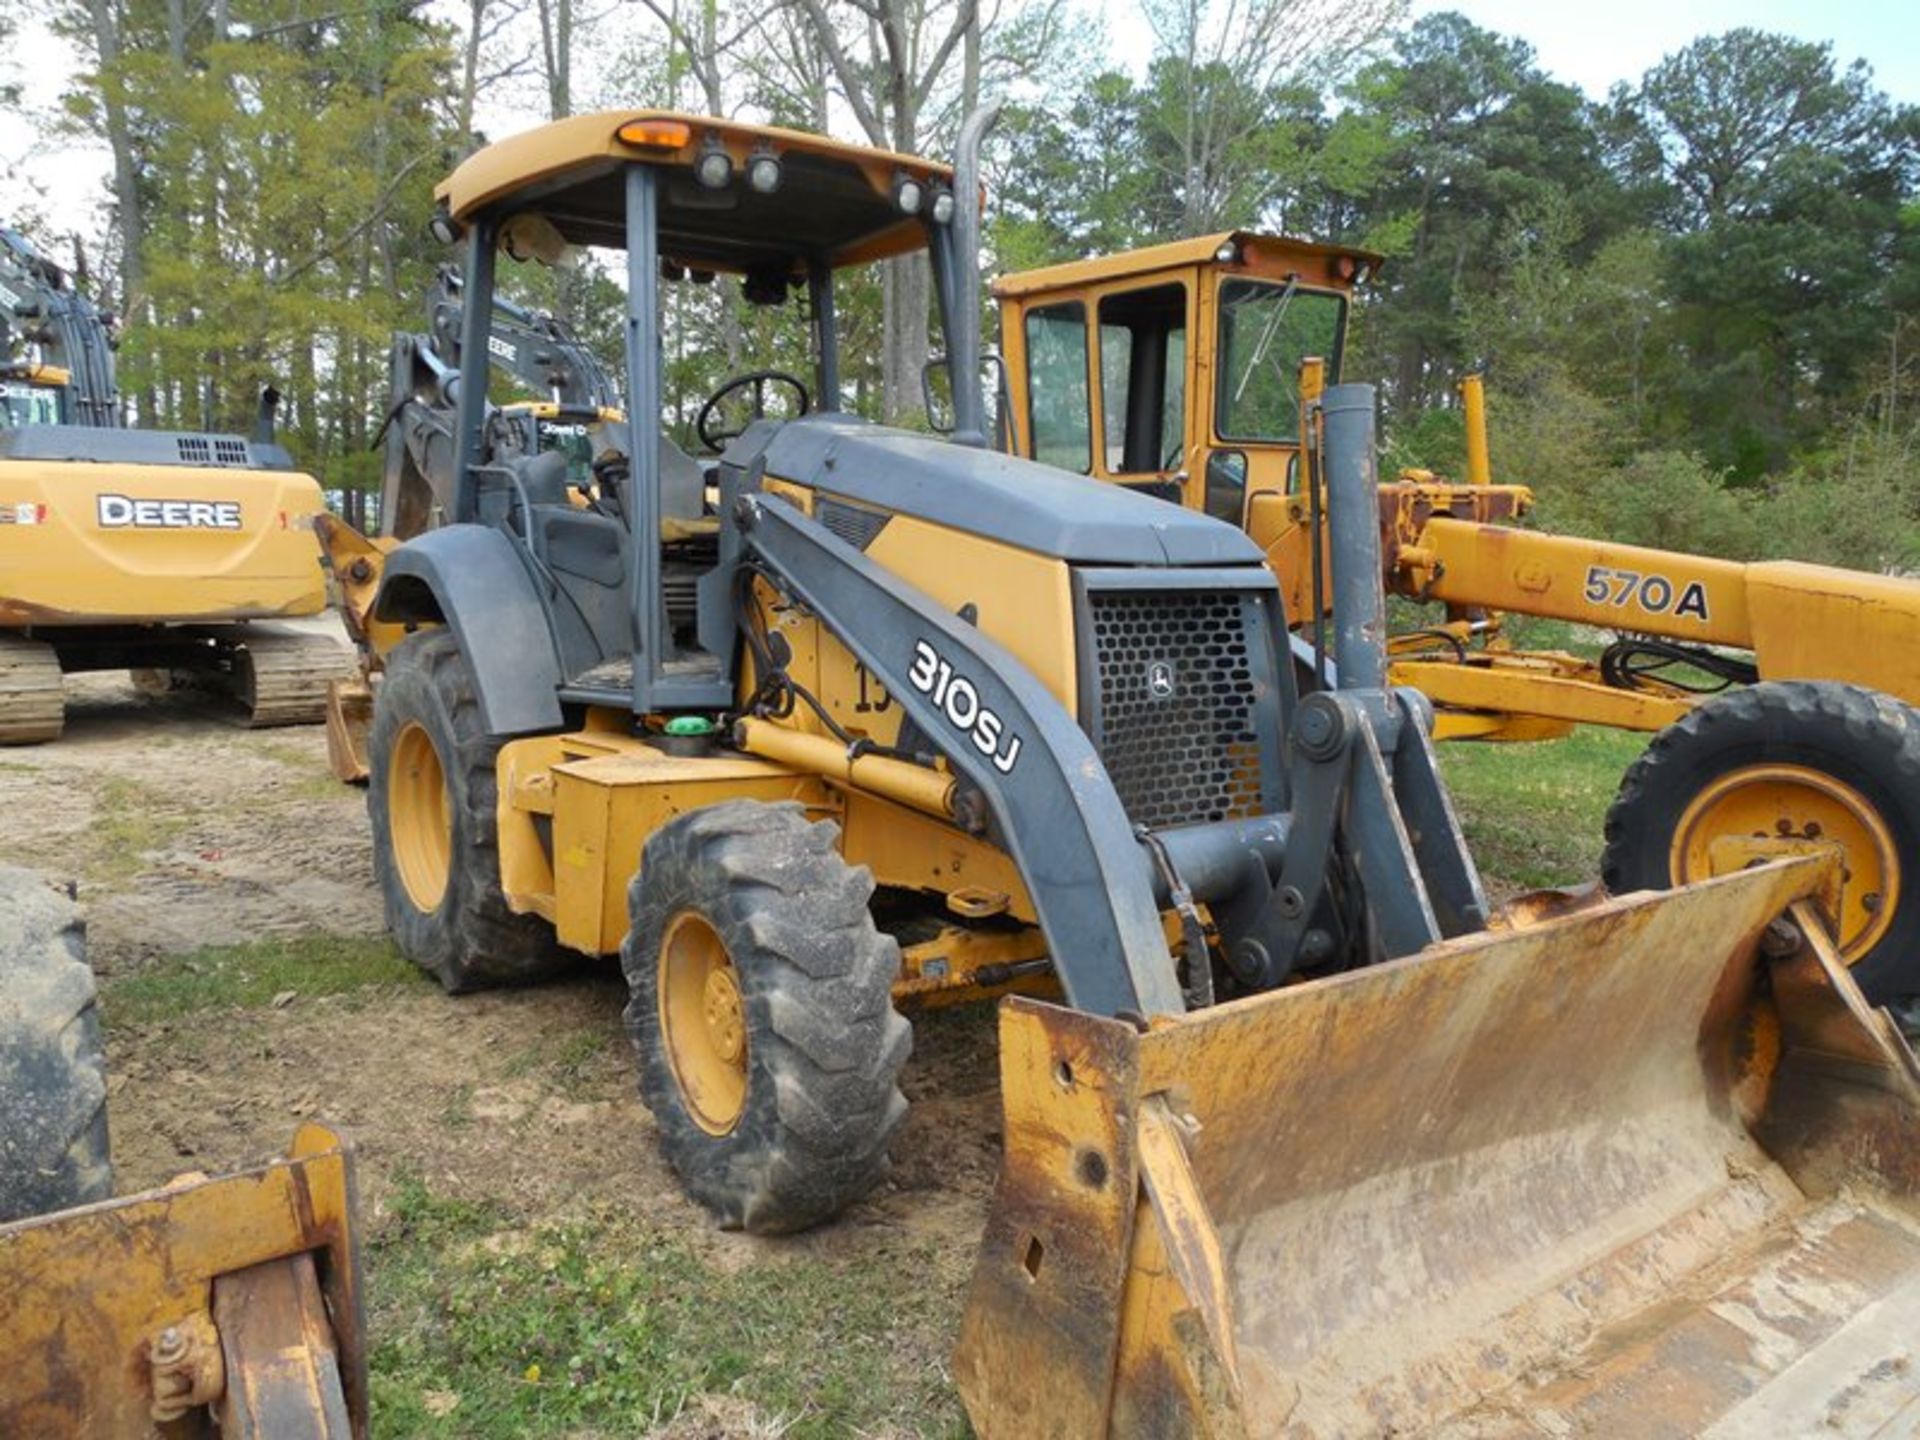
[1049, 794]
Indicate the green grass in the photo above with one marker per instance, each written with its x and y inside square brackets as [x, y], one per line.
[604, 1325]
[1533, 813]
[226, 977]
[134, 820]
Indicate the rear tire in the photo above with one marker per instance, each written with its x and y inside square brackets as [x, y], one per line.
[53, 1074]
[432, 796]
[1787, 753]
[802, 1012]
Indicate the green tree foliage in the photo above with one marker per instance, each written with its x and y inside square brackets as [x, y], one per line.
[1697, 301]
[281, 165]
[1787, 178]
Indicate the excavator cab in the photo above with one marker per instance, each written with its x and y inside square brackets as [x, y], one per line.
[889, 721]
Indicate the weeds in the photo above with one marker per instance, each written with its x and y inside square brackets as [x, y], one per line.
[606, 1325]
[240, 976]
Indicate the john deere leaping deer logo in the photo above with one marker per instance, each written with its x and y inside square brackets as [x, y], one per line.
[1160, 680]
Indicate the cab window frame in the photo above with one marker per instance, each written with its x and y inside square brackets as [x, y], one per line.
[1175, 375]
[1060, 312]
[1223, 374]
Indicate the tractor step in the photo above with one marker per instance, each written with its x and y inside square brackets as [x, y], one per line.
[32, 697]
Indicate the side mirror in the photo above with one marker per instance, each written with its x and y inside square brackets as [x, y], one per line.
[1226, 488]
[936, 389]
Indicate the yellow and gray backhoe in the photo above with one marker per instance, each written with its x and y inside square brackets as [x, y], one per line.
[1302, 1136]
[167, 553]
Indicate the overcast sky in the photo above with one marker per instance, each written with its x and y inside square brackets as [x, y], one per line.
[1593, 45]
[1589, 45]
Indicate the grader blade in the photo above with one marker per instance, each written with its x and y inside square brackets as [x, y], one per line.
[1649, 1168]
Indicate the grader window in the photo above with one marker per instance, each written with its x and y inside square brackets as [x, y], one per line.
[1266, 330]
[1143, 378]
[1057, 393]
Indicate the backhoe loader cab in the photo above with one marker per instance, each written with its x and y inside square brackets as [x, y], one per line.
[857, 720]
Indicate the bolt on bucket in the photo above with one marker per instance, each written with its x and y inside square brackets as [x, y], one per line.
[1650, 1168]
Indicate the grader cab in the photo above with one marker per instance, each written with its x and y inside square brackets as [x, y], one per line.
[843, 720]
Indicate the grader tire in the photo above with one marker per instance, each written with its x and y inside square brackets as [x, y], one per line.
[53, 1080]
[431, 798]
[762, 1014]
[1791, 758]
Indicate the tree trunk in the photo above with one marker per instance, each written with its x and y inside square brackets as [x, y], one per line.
[130, 215]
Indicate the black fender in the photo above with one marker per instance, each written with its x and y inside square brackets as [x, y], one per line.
[471, 579]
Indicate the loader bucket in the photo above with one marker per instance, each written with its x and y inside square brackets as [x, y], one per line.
[1651, 1168]
[236, 1298]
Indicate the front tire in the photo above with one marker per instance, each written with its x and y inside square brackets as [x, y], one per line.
[762, 1015]
[53, 1074]
[432, 797]
[1793, 758]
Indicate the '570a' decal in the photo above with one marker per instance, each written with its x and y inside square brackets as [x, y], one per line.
[1653, 593]
[956, 697]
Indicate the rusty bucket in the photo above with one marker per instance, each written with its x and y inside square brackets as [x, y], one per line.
[1651, 1168]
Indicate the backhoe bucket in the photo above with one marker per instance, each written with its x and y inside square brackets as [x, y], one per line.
[1651, 1168]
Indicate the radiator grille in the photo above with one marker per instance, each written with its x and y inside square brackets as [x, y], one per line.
[213, 450]
[1177, 701]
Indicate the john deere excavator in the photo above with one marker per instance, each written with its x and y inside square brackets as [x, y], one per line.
[166, 553]
[1311, 1140]
[1781, 692]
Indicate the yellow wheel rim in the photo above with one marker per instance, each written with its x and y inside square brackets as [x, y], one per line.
[418, 817]
[703, 1018]
[1792, 802]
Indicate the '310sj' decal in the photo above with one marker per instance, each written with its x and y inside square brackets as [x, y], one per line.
[956, 697]
[1655, 594]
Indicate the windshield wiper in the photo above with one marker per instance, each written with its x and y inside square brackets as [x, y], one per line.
[1266, 336]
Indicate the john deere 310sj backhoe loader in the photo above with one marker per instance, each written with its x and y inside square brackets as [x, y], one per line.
[1176, 370]
[1313, 1143]
[165, 553]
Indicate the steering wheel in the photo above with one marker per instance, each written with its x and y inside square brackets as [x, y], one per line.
[715, 439]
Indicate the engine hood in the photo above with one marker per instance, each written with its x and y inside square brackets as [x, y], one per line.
[998, 497]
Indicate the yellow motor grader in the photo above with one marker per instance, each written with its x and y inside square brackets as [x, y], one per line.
[1308, 1139]
[1781, 692]
[171, 554]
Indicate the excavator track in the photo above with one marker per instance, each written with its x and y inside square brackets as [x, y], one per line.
[282, 677]
[32, 698]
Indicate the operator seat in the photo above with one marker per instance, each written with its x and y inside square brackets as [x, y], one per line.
[683, 484]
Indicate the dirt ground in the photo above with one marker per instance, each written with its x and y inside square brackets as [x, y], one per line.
[181, 830]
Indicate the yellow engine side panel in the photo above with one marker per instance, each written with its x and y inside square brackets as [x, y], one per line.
[85, 543]
[599, 795]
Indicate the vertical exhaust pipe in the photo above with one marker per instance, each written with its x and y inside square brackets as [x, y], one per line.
[963, 341]
[266, 418]
[1353, 526]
